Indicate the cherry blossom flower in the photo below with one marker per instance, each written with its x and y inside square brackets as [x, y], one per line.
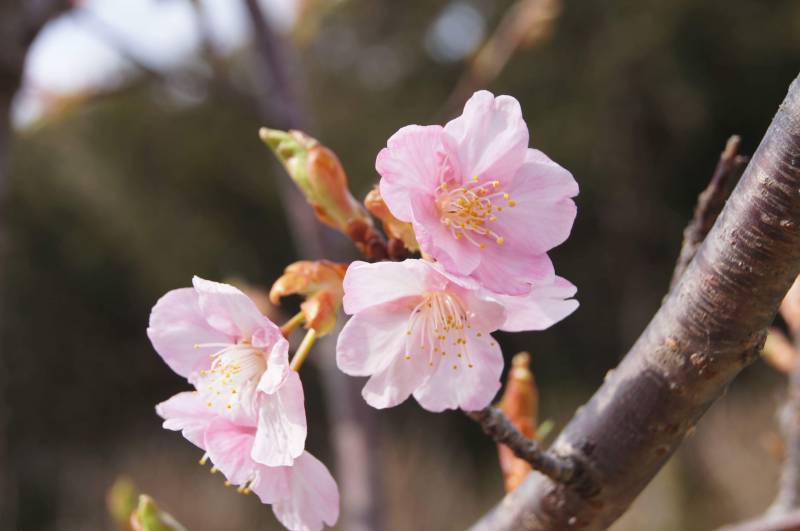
[213, 335]
[480, 201]
[417, 329]
[303, 496]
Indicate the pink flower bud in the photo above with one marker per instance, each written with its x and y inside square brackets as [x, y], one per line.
[321, 283]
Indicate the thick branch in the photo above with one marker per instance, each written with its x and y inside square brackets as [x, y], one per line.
[709, 204]
[497, 426]
[710, 327]
[785, 522]
[788, 498]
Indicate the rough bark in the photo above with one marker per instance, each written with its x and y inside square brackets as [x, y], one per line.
[710, 327]
[709, 204]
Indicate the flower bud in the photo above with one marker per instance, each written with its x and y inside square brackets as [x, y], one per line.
[148, 517]
[121, 502]
[322, 179]
[321, 283]
[393, 227]
[520, 403]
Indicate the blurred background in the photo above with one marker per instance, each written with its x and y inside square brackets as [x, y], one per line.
[134, 163]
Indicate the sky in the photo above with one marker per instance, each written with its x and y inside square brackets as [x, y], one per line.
[72, 55]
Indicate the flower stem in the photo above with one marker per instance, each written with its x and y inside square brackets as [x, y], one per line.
[302, 351]
[292, 323]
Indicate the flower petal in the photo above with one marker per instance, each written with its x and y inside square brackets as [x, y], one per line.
[394, 384]
[512, 273]
[228, 446]
[541, 191]
[368, 285]
[456, 385]
[540, 309]
[186, 412]
[282, 429]
[277, 367]
[303, 496]
[490, 137]
[411, 161]
[229, 310]
[435, 238]
[176, 326]
[372, 338]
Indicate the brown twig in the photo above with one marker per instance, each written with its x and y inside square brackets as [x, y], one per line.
[785, 522]
[710, 327]
[788, 497]
[710, 203]
[356, 440]
[524, 24]
[497, 426]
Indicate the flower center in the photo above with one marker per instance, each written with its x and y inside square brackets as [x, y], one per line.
[469, 209]
[233, 376]
[437, 328]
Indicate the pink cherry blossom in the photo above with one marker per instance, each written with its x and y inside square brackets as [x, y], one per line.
[480, 201]
[417, 329]
[303, 496]
[213, 335]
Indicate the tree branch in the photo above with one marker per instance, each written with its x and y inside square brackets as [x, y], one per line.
[497, 426]
[711, 326]
[524, 24]
[785, 522]
[353, 425]
[709, 204]
[788, 498]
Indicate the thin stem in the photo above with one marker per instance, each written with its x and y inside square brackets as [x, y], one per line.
[497, 426]
[709, 204]
[292, 324]
[302, 351]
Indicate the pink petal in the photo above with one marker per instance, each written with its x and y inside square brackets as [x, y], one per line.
[435, 239]
[176, 326]
[512, 273]
[490, 137]
[372, 338]
[485, 314]
[303, 496]
[186, 412]
[368, 285]
[541, 190]
[409, 162]
[544, 306]
[228, 446]
[229, 310]
[282, 429]
[468, 388]
[394, 384]
[277, 367]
